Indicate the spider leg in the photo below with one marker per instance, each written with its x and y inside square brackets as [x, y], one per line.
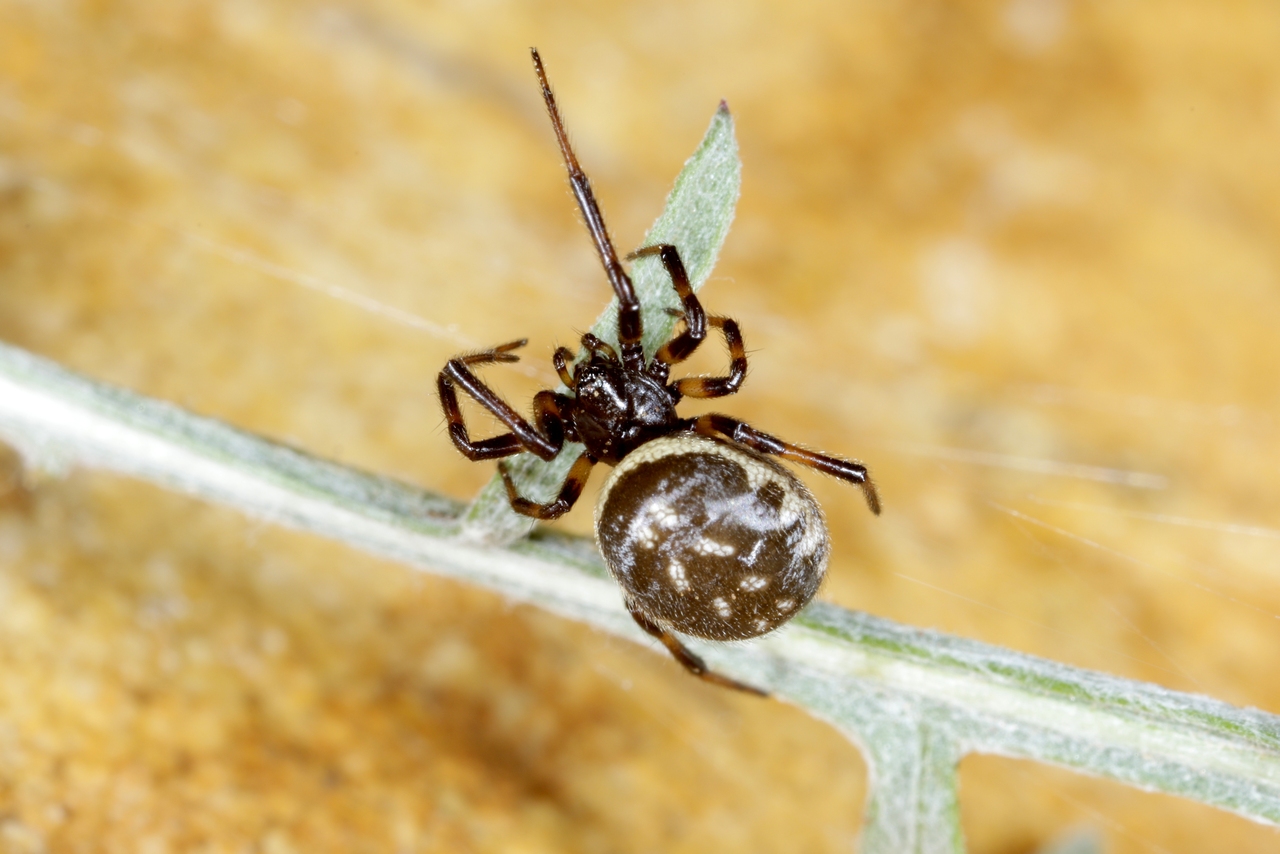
[569, 491]
[718, 426]
[693, 663]
[719, 386]
[523, 436]
[682, 346]
[629, 325]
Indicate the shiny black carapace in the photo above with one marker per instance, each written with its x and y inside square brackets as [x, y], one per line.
[706, 533]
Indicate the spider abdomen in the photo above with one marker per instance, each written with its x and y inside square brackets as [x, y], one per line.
[709, 538]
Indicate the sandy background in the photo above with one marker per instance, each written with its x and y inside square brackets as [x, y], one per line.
[1018, 256]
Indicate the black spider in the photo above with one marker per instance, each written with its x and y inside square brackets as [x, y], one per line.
[706, 533]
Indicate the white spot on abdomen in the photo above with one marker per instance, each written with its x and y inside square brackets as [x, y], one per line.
[711, 547]
[678, 577]
[665, 516]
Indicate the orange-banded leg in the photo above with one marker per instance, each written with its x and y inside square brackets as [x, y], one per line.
[718, 426]
[683, 345]
[693, 663]
[523, 436]
[569, 491]
[719, 386]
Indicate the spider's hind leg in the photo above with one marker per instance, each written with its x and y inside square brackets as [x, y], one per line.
[693, 663]
[716, 426]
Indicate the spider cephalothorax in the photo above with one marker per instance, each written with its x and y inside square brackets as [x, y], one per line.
[615, 410]
[705, 532]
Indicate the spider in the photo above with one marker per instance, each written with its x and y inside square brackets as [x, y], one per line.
[706, 533]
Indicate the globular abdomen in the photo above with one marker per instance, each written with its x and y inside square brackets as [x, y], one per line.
[710, 538]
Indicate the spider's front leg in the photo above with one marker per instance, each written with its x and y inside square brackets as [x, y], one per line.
[523, 436]
[630, 326]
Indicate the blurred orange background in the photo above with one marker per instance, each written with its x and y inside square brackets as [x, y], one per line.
[1018, 256]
